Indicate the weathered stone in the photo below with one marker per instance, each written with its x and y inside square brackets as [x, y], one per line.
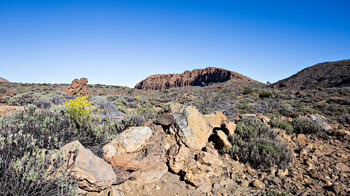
[301, 139]
[258, 184]
[194, 129]
[165, 119]
[210, 157]
[320, 121]
[229, 127]
[216, 119]
[177, 156]
[222, 141]
[91, 172]
[128, 141]
[78, 87]
[282, 173]
[342, 167]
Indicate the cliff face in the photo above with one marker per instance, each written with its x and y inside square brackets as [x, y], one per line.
[196, 77]
[328, 74]
[4, 80]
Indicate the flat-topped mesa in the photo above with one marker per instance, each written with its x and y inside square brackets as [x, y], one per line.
[196, 77]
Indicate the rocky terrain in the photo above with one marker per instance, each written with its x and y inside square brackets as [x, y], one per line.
[4, 80]
[196, 77]
[222, 139]
[322, 75]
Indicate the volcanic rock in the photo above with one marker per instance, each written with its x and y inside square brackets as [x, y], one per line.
[322, 75]
[91, 172]
[196, 77]
[78, 87]
[4, 80]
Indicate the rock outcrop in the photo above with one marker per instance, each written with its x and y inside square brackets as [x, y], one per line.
[139, 154]
[4, 80]
[196, 77]
[91, 172]
[78, 87]
[328, 74]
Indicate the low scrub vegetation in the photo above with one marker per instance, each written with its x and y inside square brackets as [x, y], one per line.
[255, 143]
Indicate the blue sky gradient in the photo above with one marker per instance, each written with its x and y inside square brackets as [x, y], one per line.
[123, 42]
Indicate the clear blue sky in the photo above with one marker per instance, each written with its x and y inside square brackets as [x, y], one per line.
[123, 42]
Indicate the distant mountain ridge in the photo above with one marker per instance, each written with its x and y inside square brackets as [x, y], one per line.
[323, 75]
[196, 77]
[4, 80]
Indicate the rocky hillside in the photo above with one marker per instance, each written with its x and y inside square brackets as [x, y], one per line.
[328, 74]
[196, 77]
[4, 80]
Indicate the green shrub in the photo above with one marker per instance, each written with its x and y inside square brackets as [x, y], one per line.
[264, 94]
[121, 105]
[282, 125]
[304, 125]
[24, 168]
[255, 143]
[274, 193]
[247, 91]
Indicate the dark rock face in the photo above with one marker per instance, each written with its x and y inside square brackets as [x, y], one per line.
[196, 77]
[328, 74]
[4, 80]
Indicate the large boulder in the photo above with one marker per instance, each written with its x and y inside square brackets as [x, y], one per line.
[130, 140]
[216, 119]
[78, 87]
[139, 154]
[192, 127]
[91, 172]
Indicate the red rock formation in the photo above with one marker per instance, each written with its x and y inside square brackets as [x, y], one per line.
[4, 80]
[196, 77]
[78, 87]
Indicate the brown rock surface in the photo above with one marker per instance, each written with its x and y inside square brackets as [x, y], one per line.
[196, 77]
[4, 80]
[91, 172]
[78, 87]
[328, 74]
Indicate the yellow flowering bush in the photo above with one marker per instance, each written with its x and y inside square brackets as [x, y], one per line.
[79, 109]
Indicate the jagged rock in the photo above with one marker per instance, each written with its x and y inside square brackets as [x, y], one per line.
[141, 151]
[193, 128]
[128, 141]
[342, 167]
[222, 140]
[216, 119]
[196, 77]
[258, 184]
[229, 127]
[91, 172]
[165, 119]
[78, 87]
[210, 157]
[301, 139]
[282, 173]
[177, 157]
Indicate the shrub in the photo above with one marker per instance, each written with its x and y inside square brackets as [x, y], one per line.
[305, 125]
[121, 105]
[274, 193]
[43, 103]
[247, 91]
[79, 109]
[255, 143]
[265, 94]
[24, 99]
[24, 168]
[282, 125]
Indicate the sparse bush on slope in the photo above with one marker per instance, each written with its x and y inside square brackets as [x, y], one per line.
[255, 143]
[304, 125]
